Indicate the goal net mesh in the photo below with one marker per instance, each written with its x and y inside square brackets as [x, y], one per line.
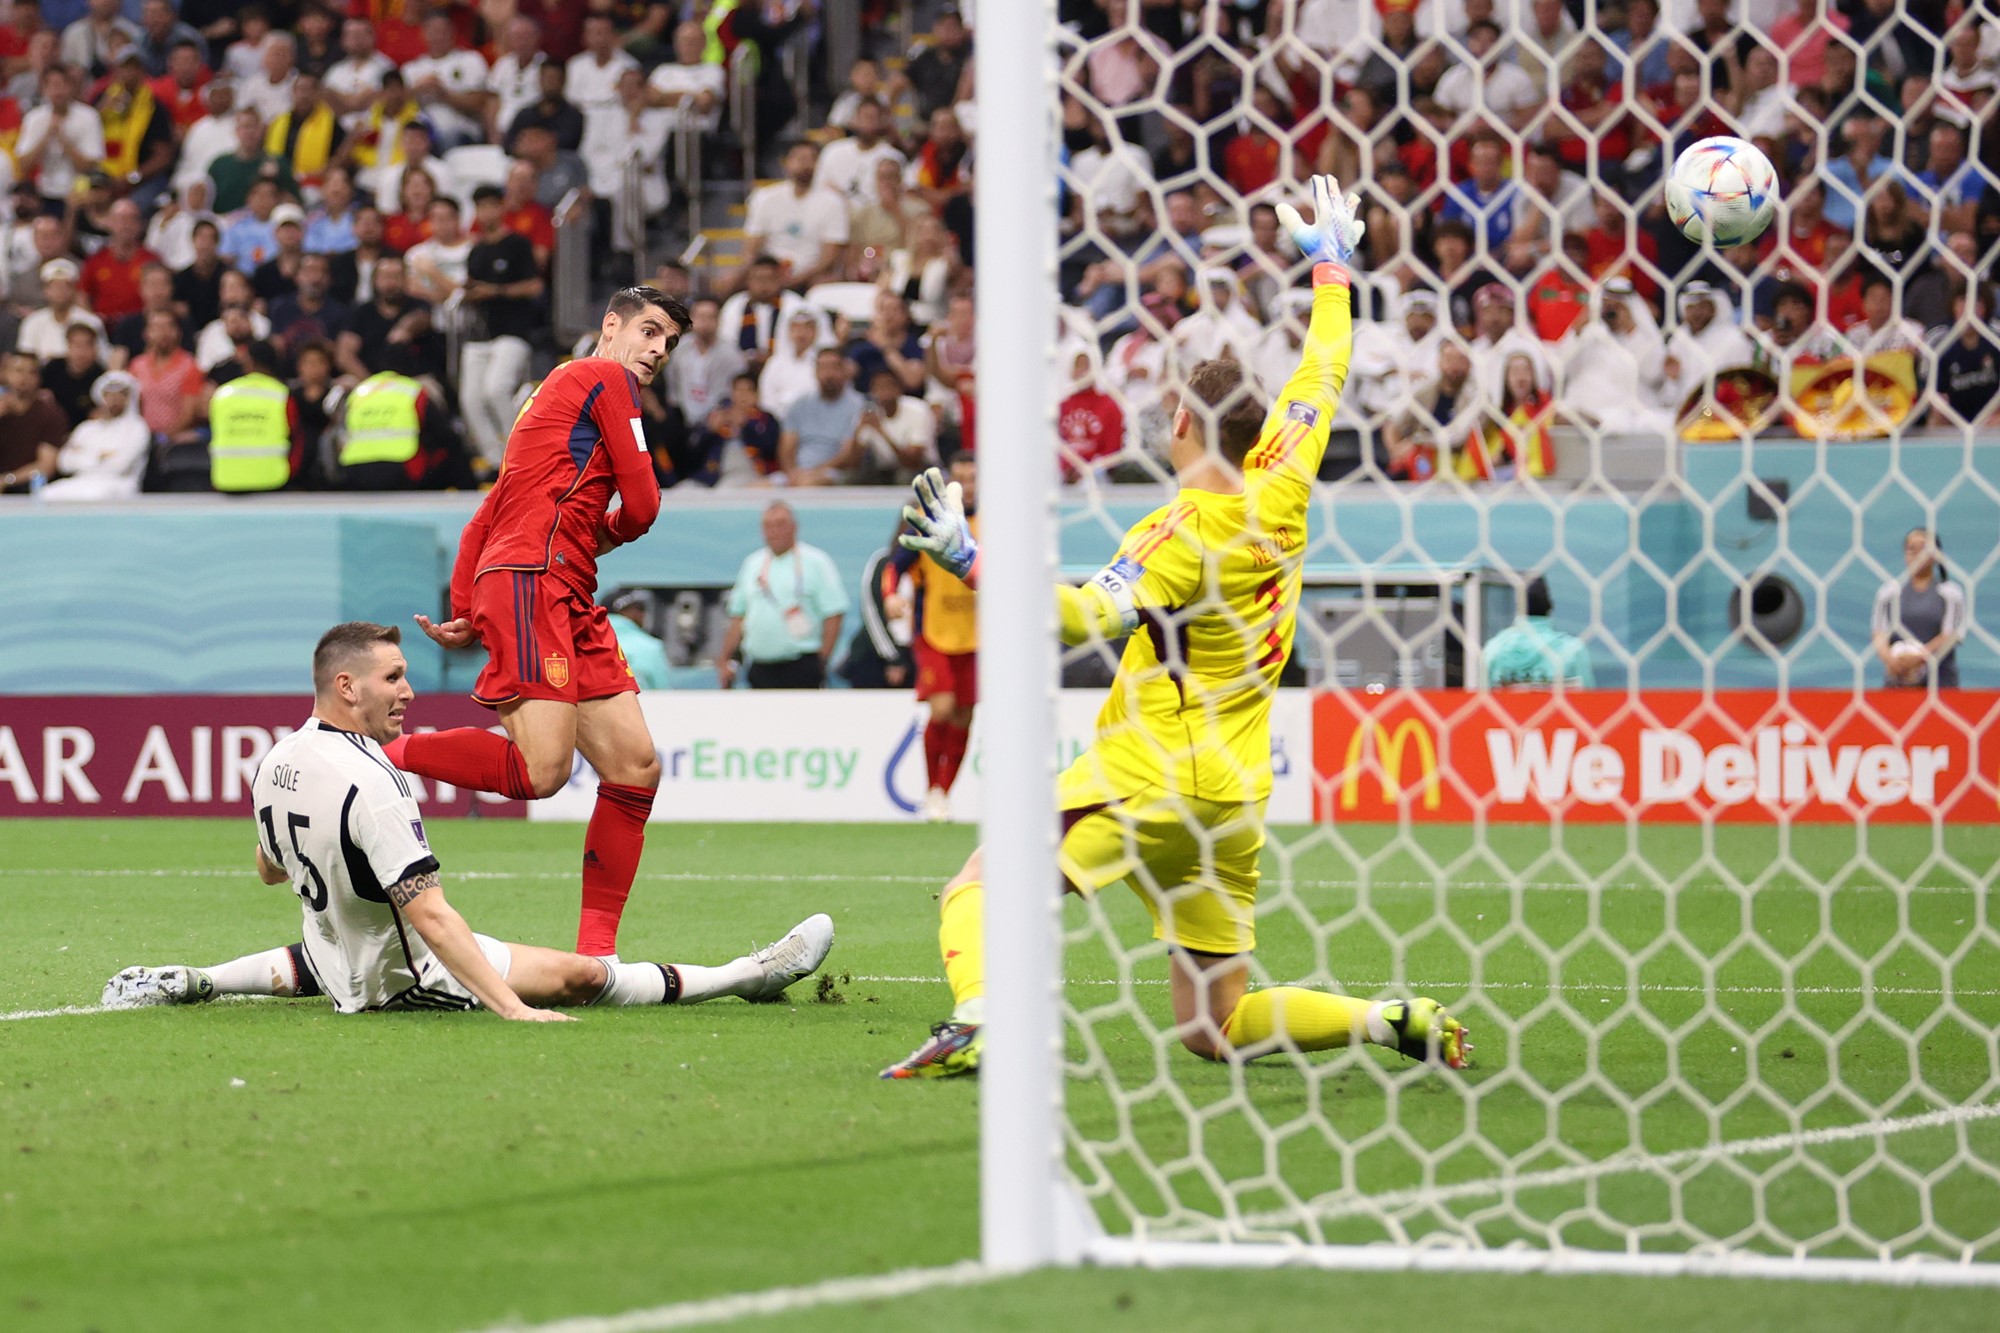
[1712, 900]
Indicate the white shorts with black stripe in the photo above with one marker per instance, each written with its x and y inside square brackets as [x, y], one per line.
[437, 988]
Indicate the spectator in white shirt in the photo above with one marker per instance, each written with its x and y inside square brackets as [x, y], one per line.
[1612, 364]
[1489, 82]
[210, 137]
[688, 84]
[1705, 341]
[702, 367]
[628, 131]
[847, 166]
[803, 228]
[449, 82]
[64, 139]
[790, 373]
[590, 80]
[1223, 325]
[95, 40]
[45, 330]
[898, 432]
[353, 80]
[269, 92]
[438, 266]
[1500, 337]
[514, 83]
[754, 320]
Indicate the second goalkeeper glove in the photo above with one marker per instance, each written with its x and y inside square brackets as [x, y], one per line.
[938, 517]
[1335, 232]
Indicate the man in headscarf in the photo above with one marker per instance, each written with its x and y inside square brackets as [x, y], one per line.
[1706, 340]
[1612, 364]
[106, 455]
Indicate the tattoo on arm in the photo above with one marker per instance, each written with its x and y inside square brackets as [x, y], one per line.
[403, 891]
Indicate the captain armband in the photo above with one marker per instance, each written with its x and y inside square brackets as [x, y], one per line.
[1119, 581]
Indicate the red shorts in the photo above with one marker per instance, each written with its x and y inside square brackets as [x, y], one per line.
[956, 674]
[544, 641]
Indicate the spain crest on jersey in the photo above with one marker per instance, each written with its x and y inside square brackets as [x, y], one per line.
[555, 668]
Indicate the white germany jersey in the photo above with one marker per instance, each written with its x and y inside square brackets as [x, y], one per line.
[335, 813]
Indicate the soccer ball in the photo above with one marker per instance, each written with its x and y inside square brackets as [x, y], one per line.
[1724, 190]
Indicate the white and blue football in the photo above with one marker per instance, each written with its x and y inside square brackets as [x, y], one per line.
[1722, 190]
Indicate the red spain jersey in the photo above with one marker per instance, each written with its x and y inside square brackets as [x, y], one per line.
[578, 441]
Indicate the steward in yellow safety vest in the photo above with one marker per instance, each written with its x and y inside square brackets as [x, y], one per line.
[250, 428]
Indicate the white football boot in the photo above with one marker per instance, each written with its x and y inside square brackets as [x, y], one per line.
[140, 987]
[797, 955]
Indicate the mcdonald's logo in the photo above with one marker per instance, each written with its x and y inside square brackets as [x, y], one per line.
[1388, 750]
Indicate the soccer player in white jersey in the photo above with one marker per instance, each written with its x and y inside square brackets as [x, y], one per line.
[337, 821]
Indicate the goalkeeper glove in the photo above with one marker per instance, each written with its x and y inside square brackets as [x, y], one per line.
[939, 519]
[1335, 232]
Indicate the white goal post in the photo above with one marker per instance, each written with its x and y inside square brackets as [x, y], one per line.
[1839, 938]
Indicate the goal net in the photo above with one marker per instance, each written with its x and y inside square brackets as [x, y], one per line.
[1589, 729]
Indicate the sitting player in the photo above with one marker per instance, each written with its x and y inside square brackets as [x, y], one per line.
[1171, 795]
[946, 643]
[337, 821]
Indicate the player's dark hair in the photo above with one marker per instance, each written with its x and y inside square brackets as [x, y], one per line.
[342, 644]
[627, 302]
[1536, 596]
[1226, 406]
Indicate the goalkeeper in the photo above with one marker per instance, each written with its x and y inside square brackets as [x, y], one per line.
[1171, 795]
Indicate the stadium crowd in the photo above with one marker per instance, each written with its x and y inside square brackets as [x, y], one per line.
[258, 247]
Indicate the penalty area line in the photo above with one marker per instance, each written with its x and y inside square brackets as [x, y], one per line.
[778, 1300]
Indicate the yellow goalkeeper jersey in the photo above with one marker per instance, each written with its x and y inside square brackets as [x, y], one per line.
[1208, 588]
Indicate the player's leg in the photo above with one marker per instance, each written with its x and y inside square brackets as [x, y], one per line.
[280, 972]
[611, 734]
[550, 977]
[1200, 882]
[523, 621]
[937, 750]
[954, 1046]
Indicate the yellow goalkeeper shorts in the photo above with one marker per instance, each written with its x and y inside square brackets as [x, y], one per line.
[1192, 862]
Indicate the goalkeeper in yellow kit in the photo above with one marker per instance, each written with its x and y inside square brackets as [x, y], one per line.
[1171, 795]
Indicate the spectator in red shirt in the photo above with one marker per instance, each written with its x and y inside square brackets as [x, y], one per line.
[1250, 162]
[171, 387]
[179, 90]
[412, 226]
[1558, 299]
[1803, 35]
[110, 281]
[1803, 241]
[1595, 99]
[1090, 421]
[1613, 251]
[521, 212]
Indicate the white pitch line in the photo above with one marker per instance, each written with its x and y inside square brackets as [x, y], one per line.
[779, 1300]
[935, 881]
[1370, 987]
[66, 1010]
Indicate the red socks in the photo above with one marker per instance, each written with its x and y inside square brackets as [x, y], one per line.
[464, 757]
[611, 848]
[944, 751]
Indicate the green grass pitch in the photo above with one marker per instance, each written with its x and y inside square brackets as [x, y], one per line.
[268, 1165]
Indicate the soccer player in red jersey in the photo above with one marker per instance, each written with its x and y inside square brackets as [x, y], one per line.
[525, 586]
